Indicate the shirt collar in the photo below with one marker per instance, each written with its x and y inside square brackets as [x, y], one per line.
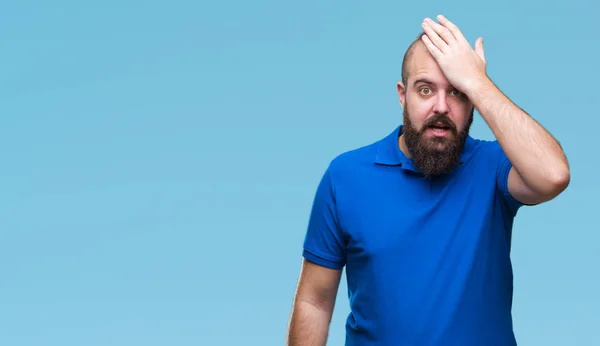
[388, 152]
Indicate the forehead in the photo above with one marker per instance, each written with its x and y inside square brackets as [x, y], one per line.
[423, 66]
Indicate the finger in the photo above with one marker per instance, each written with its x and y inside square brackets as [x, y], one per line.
[433, 50]
[434, 38]
[443, 32]
[456, 32]
[479, 48]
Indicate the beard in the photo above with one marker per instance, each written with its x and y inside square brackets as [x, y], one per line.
[435, 156]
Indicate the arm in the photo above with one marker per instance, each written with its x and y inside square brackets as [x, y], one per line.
[540, 169]
[313, 305]
[324, 257]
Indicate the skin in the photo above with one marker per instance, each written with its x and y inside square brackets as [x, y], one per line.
[457, 83]
[428, 93]
[313, 305]
[540, 169]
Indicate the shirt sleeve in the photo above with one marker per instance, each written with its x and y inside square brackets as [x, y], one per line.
[504, 167]
[324, 243]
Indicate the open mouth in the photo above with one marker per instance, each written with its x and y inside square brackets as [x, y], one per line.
[439, 129]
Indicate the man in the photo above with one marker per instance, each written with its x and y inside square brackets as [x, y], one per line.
[422, 219]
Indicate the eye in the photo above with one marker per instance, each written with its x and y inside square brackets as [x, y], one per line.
[456, 93]
[425, 90]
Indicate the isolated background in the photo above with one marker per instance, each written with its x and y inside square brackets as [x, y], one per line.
[159, 159]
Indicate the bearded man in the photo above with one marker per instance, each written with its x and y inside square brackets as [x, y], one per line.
[422, 219]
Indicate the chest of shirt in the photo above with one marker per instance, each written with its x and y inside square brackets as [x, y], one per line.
[399, 211]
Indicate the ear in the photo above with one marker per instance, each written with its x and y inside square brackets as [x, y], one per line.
[401, 93]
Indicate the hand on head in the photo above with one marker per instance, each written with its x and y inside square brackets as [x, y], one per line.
[464, 66]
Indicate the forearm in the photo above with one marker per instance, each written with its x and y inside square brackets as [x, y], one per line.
[309, 325]
[534, 153]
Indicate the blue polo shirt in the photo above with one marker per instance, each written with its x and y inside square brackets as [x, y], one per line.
[427, 261]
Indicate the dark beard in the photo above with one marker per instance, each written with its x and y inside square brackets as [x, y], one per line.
[435, 157]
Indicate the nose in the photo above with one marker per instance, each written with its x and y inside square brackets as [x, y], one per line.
[441, 104]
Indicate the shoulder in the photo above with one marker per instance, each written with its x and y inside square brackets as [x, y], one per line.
[350, 160]
[486, 151]
[484, 145]
[358, 156]
[347, 168]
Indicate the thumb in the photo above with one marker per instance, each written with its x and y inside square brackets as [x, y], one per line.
[479, 48]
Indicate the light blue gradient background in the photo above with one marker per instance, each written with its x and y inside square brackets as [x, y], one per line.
[159, 159]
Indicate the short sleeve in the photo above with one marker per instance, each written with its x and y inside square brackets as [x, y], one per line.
[504, 167]
[324, 242]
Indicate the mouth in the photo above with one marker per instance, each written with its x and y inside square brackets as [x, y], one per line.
[439, 130]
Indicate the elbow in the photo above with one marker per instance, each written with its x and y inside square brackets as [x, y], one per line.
[562, 178]
[558, 182]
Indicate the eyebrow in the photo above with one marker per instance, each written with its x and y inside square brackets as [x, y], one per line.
[422, 80]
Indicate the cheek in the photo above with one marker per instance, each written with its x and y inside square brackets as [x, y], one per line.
[418, 113]
[417, 119]
[461, 114]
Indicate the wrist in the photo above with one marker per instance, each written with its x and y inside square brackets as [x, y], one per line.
[480, 88]
[477, 85]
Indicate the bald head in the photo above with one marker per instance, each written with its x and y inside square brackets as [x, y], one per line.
[417, 44]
